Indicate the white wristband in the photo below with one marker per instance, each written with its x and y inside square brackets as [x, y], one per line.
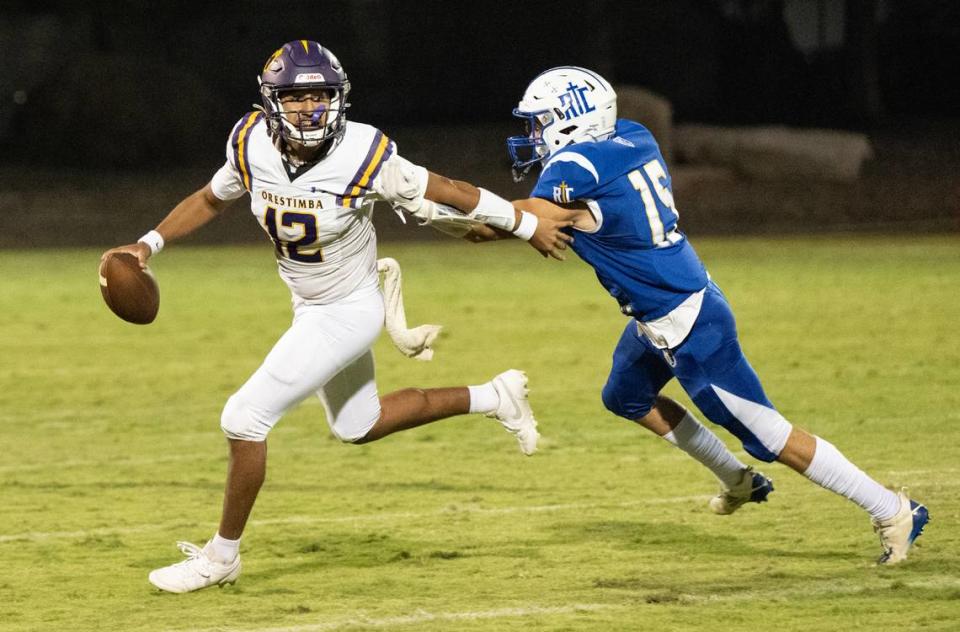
[154, 241]
[527, 226]
[494, 211]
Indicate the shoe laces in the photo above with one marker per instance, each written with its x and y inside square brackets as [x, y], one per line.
[196, 560]
[189, 549]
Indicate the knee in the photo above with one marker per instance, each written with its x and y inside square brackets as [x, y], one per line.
[759, 452]
[352, 438]
[610, 400]
[367, 438]
[767, 444]
[357, 431]
[615, 402]
[239, 420]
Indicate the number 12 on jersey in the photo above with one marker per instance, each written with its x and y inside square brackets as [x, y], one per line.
[658, 178]
[293, 249]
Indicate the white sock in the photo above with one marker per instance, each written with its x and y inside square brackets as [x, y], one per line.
[483, 398]
[696, 440]
[226, 550]
[831, 470]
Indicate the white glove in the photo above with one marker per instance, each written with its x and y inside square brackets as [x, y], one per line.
[403, 184]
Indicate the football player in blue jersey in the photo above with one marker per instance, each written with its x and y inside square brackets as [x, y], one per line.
[607, 176]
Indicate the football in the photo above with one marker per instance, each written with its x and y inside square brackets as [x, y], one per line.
[130, 292]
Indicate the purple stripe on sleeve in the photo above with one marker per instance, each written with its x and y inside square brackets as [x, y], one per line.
[235, 139]
[363, 167]
[246, 150]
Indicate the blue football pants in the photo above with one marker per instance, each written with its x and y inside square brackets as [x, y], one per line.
[710, 367]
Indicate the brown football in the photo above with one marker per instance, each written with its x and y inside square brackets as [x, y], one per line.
[129, 291]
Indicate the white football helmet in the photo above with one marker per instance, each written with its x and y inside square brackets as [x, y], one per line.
[561, 106]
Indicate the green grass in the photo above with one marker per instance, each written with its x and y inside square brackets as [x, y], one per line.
[111, 451]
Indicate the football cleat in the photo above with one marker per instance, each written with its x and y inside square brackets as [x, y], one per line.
[514, 411]
[753, 487]
[898, 532]
[199, 570]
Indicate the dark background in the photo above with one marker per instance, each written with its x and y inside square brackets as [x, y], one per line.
[111, 112]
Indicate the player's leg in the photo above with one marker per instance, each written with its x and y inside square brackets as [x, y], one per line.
[739, 483]
[713, 370]
[413, 407]
[821, 462]
[639, 372]
[321, 341]
[357, 415]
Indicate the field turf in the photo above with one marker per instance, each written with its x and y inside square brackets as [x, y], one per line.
[110, 451]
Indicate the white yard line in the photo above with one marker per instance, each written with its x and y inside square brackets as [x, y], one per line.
[422, 616]
[946, 470]
[59, 466]
[823, 588]
[359, 518]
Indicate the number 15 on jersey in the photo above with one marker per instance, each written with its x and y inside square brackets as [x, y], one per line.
[657, 177]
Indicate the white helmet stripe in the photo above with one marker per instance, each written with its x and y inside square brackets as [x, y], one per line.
[580, 159]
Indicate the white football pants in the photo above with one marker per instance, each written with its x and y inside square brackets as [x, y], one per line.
[326, 351]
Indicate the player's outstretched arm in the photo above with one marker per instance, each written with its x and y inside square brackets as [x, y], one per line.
[577, 213]
[501, 219]
[439, 201]
[191, 213]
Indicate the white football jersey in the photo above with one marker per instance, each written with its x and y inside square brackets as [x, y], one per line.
[320, 220]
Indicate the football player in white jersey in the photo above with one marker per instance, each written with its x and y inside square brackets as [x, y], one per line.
[312, 176]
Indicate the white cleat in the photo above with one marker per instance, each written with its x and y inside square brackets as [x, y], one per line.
[753, 487]
[898, 532]
[199, 570]
[514, 410]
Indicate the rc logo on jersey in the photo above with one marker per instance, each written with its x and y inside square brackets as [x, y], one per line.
[561, 194]
[574, 102]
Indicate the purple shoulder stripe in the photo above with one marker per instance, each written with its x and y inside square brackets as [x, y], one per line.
[381, 148]
[241, 146]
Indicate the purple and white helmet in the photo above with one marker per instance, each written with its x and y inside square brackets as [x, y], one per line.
[305, 64]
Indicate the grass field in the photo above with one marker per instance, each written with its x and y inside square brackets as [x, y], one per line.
[111, 451]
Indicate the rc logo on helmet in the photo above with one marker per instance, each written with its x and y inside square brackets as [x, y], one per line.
[574, 102]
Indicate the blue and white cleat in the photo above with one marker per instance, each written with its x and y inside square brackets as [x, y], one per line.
[898, 533]
[753, 487]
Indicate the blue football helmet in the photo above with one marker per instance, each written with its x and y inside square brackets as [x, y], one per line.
[299, 65]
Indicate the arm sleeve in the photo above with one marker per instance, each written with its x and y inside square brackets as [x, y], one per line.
[568, 176]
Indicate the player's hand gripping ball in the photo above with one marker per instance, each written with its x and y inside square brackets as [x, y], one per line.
[131, 292]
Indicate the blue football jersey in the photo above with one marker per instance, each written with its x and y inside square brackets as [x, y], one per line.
[638, 254]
